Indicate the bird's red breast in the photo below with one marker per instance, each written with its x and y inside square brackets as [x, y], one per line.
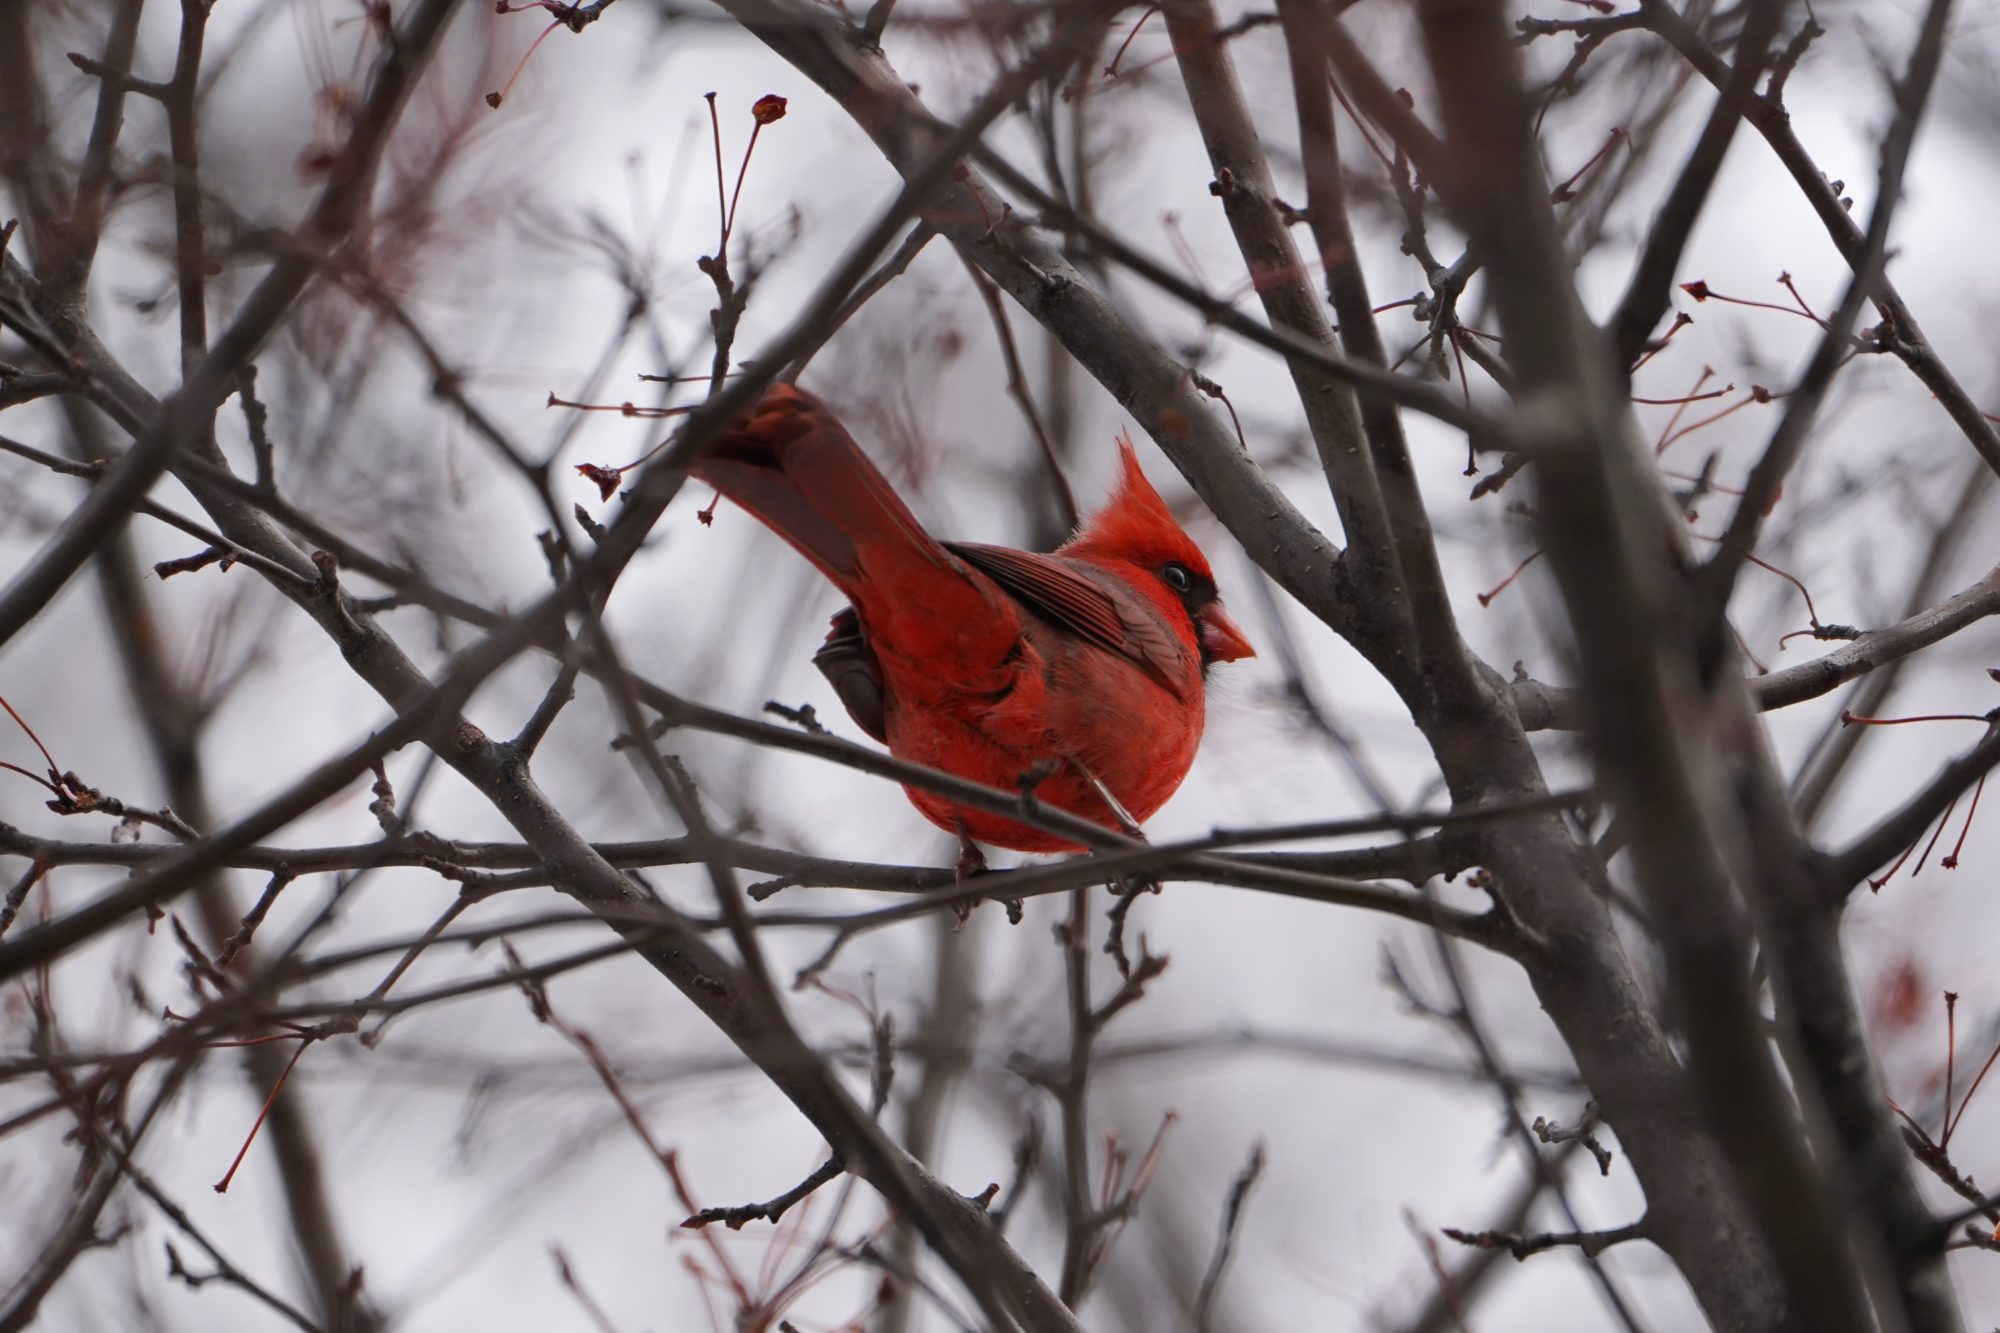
[1079, 667]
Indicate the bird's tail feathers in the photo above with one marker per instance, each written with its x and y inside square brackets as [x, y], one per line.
[794, 466]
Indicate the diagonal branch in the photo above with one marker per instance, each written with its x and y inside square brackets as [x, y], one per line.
[1434, 626]
[1652, 281]
[1852, 863]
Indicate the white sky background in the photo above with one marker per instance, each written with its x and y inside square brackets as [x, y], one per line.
[450, 1193]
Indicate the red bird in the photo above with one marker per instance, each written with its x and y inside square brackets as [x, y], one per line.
[1084, 666]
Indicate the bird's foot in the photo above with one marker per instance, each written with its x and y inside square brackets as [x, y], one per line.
[971, 863]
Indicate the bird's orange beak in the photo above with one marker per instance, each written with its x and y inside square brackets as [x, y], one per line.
[1221, 641]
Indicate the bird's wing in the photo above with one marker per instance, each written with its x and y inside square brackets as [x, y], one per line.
[1093, 607]
[849, 665]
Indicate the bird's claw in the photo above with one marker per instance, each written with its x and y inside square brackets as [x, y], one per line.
[971, 863]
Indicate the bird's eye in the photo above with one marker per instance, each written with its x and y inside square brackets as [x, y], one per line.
[1176, 576]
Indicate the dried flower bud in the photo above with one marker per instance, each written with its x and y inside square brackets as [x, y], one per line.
[607, 478]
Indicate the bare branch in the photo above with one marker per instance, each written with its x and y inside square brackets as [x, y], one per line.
[339, 205]
[1646, 296]
[1760, 494]
[771, 1210]
[78, 244]
[1243, 184]
[1232, 1216]
[1545, 707]
[1592, 1243]
[1906, 339]
[1850, 865]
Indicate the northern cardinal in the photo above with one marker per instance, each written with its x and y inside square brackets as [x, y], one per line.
[1079, 672]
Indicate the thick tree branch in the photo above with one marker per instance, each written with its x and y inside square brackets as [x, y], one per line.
[1611, 536]
[69, 269]
[182, 100]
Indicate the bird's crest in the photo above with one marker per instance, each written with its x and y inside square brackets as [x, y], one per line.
[1135, 523]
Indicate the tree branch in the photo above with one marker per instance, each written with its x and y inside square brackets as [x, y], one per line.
[1906, 339]
[1591, 1243]
[1852, 863]
[1550, 707]
[1760, 494]
[187, 416]
[1651, 285]
[1243, 184]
